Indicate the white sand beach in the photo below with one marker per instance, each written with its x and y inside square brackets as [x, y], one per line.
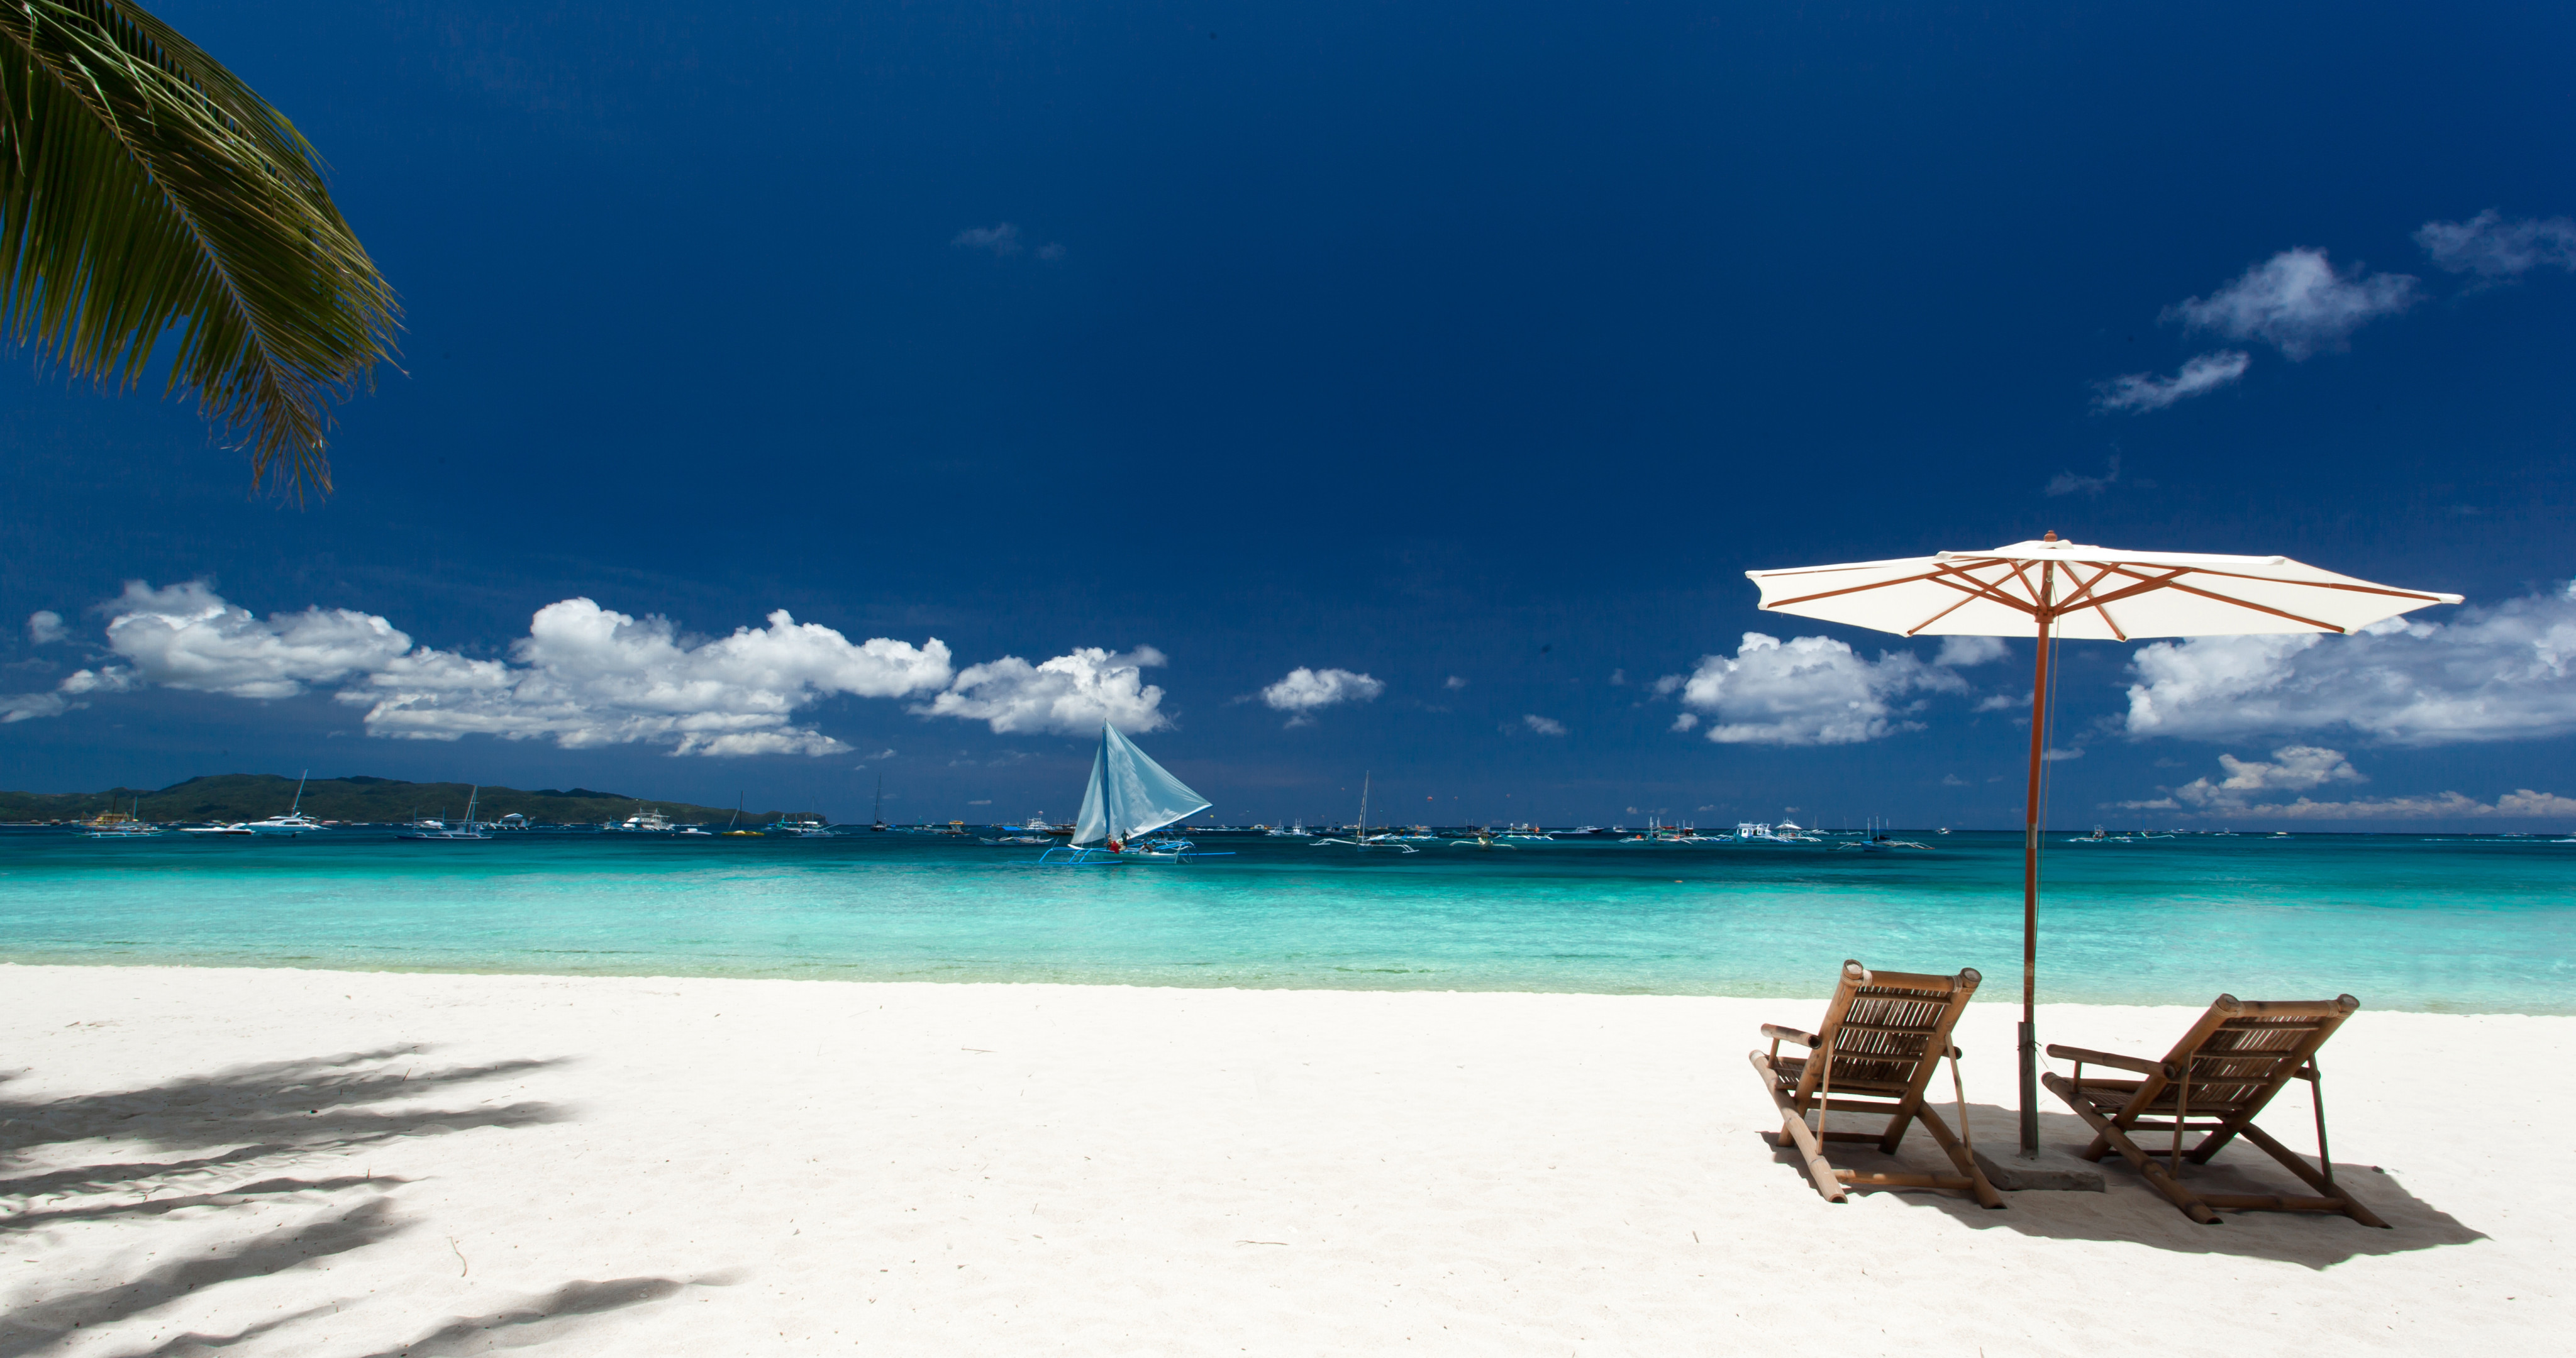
[299, 1162]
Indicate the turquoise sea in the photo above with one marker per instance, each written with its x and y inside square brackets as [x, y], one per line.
[2461, 924]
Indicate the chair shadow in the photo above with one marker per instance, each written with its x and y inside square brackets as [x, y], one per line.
[255, 1126]
[2129, 1210]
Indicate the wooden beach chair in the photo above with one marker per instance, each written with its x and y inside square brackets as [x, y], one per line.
[1884, 1035]
[2215, 1080]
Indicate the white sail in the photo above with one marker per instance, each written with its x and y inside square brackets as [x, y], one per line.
[1130, 794]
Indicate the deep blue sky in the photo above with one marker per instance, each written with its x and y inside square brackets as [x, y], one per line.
[1491, 341]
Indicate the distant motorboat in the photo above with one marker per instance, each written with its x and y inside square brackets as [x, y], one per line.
[294, 822]
[801, 827]
[643, 822]
[1296, 831]
[120, 824]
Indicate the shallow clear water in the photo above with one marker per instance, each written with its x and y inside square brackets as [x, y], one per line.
[2403, 922]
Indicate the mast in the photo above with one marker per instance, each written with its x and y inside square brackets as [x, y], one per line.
[1364, 791]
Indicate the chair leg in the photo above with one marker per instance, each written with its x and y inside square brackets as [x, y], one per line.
[1793, 1126]
[2297, 1164]
[1983, 1191]
[2147, 1166]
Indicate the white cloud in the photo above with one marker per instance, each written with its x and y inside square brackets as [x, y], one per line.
[29, 706]
[2305, 768]
[1686, 721]
[1304, 690]
[45, 627]
[2199, 376]
[1051, 252]
[2502, 673]
[1453, 682]
[187, 637]
[881, 754]
[1002, 239]
[2490, 246]
[1953, 780]
[588, 676]
[2002, 702]
[1070, 695]
[2523, 804]
[1810, 691]
[1964, 651]
[2292, 768]
[583, 676]
[2297, 302]
[1546, 726]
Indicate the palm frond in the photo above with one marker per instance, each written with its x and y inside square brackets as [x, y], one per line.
[145, 191]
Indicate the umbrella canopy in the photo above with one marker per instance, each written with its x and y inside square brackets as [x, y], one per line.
[2051, 590]
[2090, 593]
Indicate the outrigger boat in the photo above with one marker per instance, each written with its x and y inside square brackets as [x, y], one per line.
[1130, 797]
[1362, 839]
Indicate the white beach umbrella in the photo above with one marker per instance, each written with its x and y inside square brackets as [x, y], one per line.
[2050, 590]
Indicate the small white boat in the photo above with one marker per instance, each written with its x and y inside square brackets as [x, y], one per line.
[1361, 839]
[470, 830]
[643, 822]
[801, 827]
[294, 822]
[1296, 831]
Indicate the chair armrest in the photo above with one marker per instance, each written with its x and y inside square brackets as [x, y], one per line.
[2084, 1057]
[1777, 1033]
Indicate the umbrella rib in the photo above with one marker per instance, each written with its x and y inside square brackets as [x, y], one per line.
[1965, 598]
[2095, 604]
[1853, 589]
[2125, 568]
[2247, 603]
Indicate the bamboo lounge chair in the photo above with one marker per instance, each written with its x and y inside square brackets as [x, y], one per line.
[1884, 1036]
[2216, 1079]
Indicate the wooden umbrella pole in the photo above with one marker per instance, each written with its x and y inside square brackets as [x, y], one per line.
[2030, 875]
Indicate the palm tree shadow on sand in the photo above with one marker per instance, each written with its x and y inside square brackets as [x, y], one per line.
[2128, 1210]
[224, 1146]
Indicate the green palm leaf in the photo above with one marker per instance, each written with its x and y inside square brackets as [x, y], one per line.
[145, 192]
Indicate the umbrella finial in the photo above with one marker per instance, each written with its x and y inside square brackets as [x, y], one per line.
[2049, 536]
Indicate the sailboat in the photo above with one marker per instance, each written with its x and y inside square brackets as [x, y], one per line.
[878, 821]
[1365, 840]
[470, 827]
[1130, 796]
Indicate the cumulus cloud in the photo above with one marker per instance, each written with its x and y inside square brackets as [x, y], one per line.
[2199, 376]
[1546, 726]
[1003, 239]
[1686, 721]
[1304, 690]
[2292, 768]
[2493, 246]
[1810, 691]
[588, 676]
[1070, 695]
[583, 676]
[187, 637]
[2302, 769]
[2502, 673]
[2297, 302]
[1966, 651]
[45, 627]
[29, 706]
[1453, 682]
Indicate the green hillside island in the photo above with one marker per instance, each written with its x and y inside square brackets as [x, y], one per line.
[251, 796]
